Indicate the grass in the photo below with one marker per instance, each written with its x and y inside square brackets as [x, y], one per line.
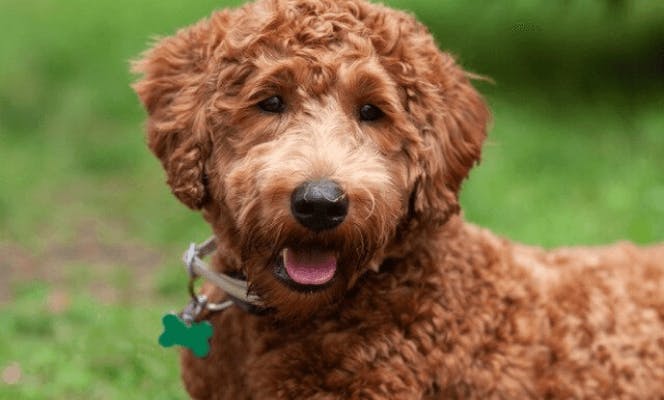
[90, 236]
[88, 351]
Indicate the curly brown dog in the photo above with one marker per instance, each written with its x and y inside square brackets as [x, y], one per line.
[325, 141]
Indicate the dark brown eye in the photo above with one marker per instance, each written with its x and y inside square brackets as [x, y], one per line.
[369, 112]
[274, 104]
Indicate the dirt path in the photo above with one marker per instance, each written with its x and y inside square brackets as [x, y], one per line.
[58, 261]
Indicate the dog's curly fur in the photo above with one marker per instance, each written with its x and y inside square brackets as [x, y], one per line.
[423, 304]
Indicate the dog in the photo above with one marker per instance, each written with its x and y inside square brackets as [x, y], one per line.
[325, 142]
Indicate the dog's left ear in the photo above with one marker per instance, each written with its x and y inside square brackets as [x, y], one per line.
[172, 91]
[452, 121]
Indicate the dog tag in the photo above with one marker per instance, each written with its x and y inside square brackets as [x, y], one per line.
[194, 336]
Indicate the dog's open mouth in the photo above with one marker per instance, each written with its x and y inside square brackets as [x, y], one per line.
[306, 268]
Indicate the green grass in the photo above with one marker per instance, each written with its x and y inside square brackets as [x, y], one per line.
[576, 156]
[89, 351]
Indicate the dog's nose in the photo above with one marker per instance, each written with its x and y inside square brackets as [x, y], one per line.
[319, 205]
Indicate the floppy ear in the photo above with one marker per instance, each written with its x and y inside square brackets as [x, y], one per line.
[173, 92]
[452, 120]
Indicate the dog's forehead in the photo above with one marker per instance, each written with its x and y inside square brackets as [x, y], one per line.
[351, 79]
[308, 43]
[314, 64]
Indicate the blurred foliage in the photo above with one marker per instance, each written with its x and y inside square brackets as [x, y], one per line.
[570, 47]
[575, 156]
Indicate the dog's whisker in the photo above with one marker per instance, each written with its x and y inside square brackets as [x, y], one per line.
[368, 197]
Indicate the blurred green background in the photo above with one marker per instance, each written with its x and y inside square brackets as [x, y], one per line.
[90, 236]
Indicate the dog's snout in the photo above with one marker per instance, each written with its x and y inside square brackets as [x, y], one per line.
[319, 205]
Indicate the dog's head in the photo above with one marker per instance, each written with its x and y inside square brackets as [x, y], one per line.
[313, 134]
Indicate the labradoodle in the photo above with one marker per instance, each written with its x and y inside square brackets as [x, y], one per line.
[325, 142]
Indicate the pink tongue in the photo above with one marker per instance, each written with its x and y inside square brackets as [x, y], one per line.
[310, 267]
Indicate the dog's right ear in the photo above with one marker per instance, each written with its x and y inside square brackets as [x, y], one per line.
[173, 92]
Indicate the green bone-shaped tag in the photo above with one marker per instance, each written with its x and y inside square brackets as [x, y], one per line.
[195, 337]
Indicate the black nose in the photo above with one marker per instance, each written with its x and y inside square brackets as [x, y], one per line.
[319, 205]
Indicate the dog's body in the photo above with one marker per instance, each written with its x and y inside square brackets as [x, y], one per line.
[326, 142]
[469, 316]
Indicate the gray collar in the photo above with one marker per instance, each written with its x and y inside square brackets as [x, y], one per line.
[236, 289]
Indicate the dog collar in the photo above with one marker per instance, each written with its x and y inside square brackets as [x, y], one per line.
[236, 289]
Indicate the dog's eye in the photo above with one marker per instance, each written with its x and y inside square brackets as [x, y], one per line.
[369, 112]
[274, 104]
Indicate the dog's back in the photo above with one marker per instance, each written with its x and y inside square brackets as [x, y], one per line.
[599, 315]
